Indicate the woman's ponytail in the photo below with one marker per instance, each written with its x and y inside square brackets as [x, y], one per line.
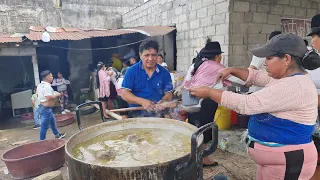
[311, 60]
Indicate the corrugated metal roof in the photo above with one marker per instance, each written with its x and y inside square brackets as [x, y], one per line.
[107, 33]
[58, 33]
[154, 30]
[9, 38]
[37, 36]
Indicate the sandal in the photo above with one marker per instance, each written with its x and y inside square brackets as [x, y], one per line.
[211, 165]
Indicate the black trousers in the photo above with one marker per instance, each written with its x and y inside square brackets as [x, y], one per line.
[204, 116]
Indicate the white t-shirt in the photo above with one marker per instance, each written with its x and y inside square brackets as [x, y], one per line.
[163, 64]
[259, 64]
[44, 89]
[315, 75]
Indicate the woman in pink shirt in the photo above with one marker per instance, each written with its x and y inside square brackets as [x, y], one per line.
[283, 113]
[103, 83]
[203, 72]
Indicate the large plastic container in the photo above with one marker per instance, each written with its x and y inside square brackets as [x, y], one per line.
[223, 118]
[234, 118]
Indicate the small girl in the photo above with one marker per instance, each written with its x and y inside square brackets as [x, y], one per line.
[61, 84]
[35, 105]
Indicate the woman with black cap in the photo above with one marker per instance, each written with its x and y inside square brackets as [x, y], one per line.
[315, 74]
[203, 72]
[283, 114]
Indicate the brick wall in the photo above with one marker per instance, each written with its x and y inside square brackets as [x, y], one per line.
[195, 20]
[19, 15]
[251, 22]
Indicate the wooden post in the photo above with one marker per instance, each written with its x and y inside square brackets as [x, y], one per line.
[35, 70]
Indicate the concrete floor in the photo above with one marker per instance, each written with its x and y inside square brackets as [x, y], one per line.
[17, 131]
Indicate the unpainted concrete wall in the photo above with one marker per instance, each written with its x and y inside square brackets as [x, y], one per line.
[19, 15]
[252, 21]
[195, 20]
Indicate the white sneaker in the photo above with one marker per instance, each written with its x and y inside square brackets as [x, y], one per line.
[66, 110]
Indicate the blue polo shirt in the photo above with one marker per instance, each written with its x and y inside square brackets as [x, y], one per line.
[154, 88]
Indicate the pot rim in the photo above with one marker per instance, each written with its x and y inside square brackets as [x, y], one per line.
[128, 167]
[28, 157]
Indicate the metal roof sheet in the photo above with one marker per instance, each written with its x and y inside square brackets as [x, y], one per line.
[58, 33]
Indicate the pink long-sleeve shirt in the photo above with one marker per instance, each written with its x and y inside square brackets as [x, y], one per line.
[104, 80]
[206, 75]
[293, 98]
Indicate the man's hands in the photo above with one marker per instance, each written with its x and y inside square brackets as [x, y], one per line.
[148, 105]
[57, 94]
[160, 106]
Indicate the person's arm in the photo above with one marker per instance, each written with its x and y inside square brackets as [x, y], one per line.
[240, 73]
[48, 94]
[250, 76]
[167, 97]
[167, 87]
[33, 101]
[51, 97]
[132, 99]
[271, 99]
[55, 83]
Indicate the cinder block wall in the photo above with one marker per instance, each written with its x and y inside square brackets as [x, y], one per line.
[251, 22]
[195, 20]
[19, 15]
[239, 25]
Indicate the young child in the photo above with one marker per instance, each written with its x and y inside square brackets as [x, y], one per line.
[61, 84]
[35, 105]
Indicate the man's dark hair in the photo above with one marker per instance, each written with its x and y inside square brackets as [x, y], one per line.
[134, 57]
[127, 63]
[149, 44]
[44, 74]
[160, 55]
[274, 33]
[306, 42]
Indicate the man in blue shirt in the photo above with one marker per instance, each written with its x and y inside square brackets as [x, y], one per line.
[147, 83]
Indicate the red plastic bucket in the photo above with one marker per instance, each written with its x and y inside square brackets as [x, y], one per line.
[234, 118]
[27, 116]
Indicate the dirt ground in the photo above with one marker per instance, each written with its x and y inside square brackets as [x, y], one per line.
[18, 131]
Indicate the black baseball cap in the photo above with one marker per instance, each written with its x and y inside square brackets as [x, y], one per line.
[287, 43]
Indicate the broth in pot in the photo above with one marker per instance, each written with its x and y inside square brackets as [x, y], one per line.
[133, 147]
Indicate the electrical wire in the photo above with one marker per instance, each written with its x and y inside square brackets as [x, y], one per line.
[96, 49]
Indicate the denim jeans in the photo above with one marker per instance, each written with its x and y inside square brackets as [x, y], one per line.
[47, 119]
[36, 116]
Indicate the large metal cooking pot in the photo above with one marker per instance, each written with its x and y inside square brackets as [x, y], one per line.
[187, 167]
